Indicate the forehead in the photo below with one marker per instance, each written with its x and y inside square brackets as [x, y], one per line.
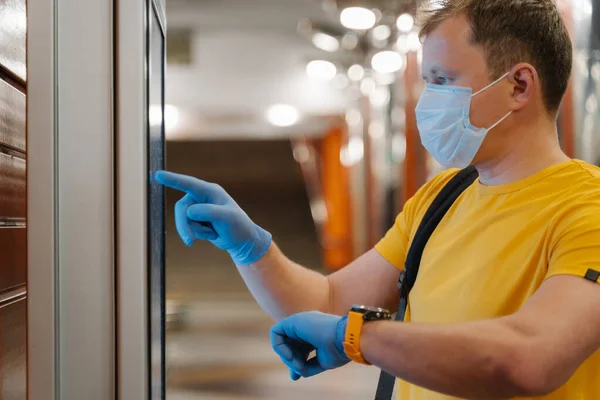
[448, 47]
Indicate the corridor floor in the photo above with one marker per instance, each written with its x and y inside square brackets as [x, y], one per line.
[222, 352]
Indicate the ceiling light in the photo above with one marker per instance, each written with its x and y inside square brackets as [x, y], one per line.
[301, 153]
[405, 23]
[353, 117]
[398, 147]
[413, 41]
[340, 82]
[352, 153]
[325, 42]
[382, 32]
[321, 70]
[356, 72]
[386, 62]
[402, 44]
[283, 115]
[385, 79]
[380, 97]
[350, 41]
[367, 86]
[376, 130]
[358, 18]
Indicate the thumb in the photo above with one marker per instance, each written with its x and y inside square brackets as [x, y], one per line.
[314, 367]
[203, 232]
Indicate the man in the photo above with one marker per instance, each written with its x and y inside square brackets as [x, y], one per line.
[506, 303]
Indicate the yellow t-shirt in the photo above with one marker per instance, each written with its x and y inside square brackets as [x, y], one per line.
[495, 247]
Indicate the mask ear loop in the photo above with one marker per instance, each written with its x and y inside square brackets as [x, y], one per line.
[498, 123]
[491, 84]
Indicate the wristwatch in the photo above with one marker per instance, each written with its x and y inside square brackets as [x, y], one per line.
[357, 316]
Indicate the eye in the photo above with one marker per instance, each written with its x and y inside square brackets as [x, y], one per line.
[442, 80]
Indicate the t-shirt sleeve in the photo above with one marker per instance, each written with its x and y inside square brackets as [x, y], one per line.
[576, 244]
[395, 244]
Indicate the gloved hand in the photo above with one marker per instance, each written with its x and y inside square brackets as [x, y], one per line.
[207, 212]
[295, 337]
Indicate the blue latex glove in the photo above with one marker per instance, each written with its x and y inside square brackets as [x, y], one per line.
[207, 212]
[295, 337]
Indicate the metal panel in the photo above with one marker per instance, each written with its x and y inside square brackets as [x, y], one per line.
[13, 29]
[13, 190]
[41, 203]
[85, 199]
[13, 345]
[132, 256]
[13, 263]
[156, 223]
[12, 116]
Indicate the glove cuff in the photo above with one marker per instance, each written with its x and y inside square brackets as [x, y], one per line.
[339, 337]
[255, 250]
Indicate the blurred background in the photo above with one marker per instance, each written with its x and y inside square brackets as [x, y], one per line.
[303, 111]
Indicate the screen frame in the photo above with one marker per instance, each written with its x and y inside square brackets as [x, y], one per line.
[156, 278]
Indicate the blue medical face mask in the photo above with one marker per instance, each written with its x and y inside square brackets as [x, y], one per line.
[444, 124]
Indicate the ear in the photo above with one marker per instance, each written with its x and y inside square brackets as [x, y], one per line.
[526, 84]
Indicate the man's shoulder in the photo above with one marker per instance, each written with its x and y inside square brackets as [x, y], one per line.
[435, 185]
[582, 183]
[578, 198]
[422, 200]
[588, 169]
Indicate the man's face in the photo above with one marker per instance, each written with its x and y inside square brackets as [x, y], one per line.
[450, 59]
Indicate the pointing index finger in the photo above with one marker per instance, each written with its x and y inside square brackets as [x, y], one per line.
[201, 191]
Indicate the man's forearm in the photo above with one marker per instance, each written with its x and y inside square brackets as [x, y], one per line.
[472, 360]
[283, 288]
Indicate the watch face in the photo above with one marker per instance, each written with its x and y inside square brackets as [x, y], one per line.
[372, 313]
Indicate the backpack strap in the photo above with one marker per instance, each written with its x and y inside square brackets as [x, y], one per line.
[434, 215]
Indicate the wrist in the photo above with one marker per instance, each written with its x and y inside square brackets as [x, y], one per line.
[370, 339]
[253, 250]
[359, 317]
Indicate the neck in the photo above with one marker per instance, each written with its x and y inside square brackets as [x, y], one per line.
[533, 149]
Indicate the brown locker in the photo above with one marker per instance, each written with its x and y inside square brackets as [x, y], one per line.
[13, 31]
[12, 116]
[13, 201]
[13, 259]
[13, 348]
[13, 192]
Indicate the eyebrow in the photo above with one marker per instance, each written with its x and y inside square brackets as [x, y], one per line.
[438, 70]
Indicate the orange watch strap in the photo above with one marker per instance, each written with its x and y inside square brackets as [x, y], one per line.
[352, 337]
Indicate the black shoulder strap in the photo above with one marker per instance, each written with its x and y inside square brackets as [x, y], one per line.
[440, 206]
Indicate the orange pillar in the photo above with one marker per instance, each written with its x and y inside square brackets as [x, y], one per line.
[337, 229]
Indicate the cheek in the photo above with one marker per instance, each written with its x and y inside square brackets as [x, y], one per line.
[487, 109]
[481, 112]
